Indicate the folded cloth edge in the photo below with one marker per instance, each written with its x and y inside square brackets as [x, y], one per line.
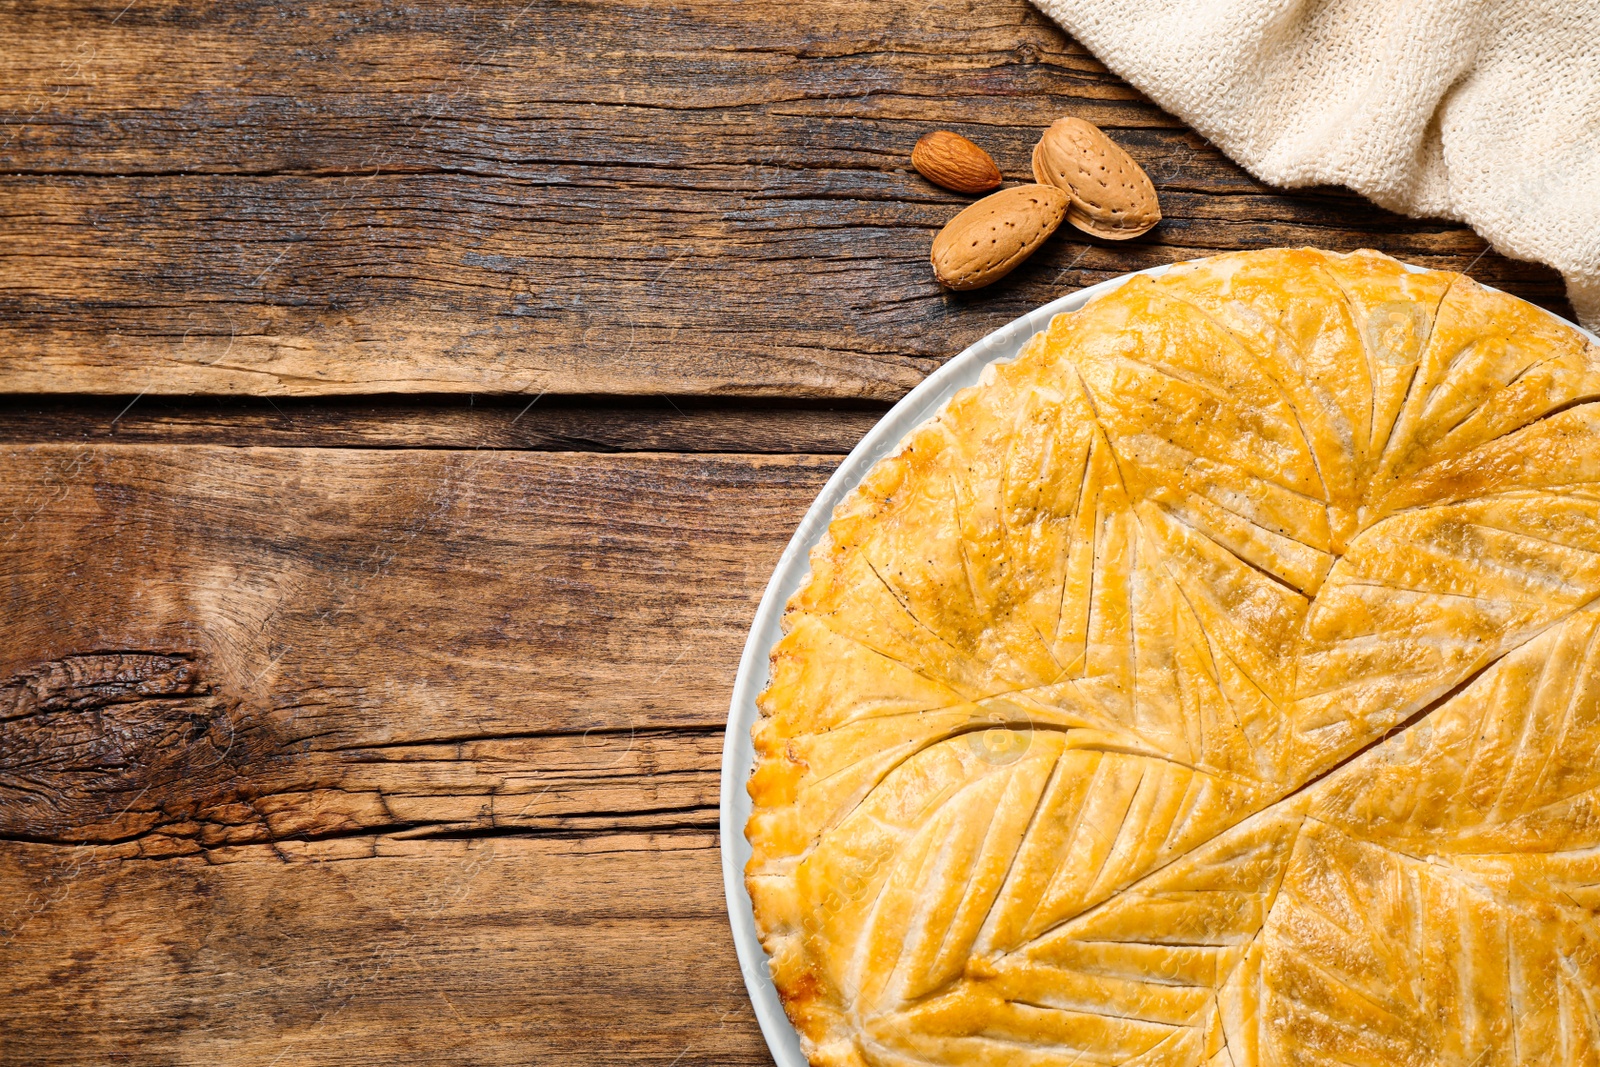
[1468, 110]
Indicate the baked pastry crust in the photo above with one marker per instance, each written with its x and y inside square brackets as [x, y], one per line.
[1216, 683]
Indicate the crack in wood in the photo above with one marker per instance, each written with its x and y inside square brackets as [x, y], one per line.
[138, 750]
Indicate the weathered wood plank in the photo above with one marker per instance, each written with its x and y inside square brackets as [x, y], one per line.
[209, 646]
[352, 756]
[575, 197]
[361, 951]
[141, 752]
[552, 424]
[339, 90]
[364, 596]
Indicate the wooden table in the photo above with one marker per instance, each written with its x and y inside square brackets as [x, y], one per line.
[405, 407]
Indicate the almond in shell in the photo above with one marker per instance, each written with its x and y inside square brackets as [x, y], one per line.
[984, 242]
[950, 160]
[1112, 196]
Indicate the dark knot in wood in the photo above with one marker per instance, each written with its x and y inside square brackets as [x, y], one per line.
[107, 745]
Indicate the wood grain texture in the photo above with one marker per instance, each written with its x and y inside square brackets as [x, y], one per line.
[405, 595]
[354, 756]
[712, 197]
[549, 424]
[377, 951]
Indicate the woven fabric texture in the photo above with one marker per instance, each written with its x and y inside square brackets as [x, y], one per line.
[1482, 111]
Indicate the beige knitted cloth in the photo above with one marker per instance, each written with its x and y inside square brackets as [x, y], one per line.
[1484, 111]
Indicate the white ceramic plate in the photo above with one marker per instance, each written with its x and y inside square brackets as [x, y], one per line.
[738, 751]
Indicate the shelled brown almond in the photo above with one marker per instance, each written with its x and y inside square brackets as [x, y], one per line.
[950, 160]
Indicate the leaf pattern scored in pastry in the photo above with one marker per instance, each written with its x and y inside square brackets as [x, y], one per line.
[1217, 683]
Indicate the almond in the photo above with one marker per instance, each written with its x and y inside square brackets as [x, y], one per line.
[950, 160]
[1112, 196]
[985, 241]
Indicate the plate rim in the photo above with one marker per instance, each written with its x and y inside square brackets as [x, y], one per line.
[922, 403]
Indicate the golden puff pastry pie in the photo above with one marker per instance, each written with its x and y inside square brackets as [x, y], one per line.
[1216, 683]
